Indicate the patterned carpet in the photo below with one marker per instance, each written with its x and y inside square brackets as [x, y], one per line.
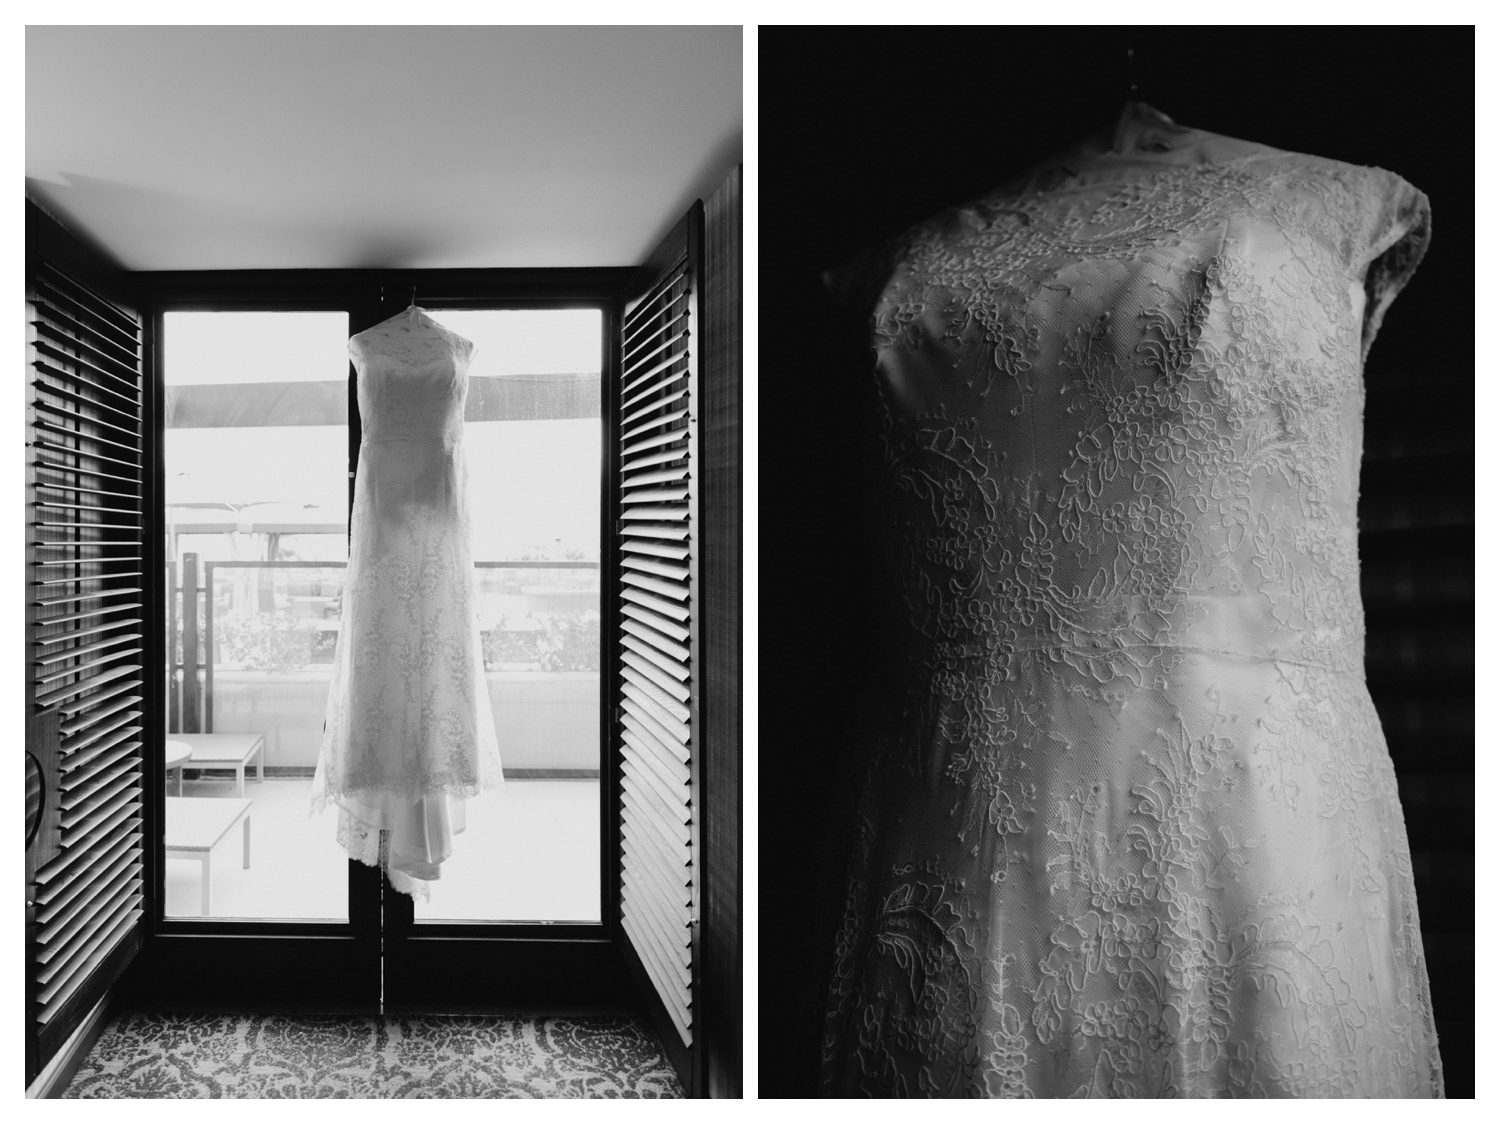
[181, 1055]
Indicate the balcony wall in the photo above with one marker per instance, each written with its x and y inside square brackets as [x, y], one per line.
[545, 720]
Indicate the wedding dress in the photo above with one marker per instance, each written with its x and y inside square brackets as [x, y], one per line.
[409, 734]
[1133, 830]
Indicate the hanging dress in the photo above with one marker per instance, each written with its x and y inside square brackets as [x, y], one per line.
[409, 734]
[1133, 829]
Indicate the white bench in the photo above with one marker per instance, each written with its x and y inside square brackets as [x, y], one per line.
[195, 824]
[227, 751]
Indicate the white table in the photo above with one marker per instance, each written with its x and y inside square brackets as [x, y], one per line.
[178, 753]
[196, 823]
[228, 751]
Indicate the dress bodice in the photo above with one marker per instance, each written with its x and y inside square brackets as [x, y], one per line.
[412, 382]
[1124, 401]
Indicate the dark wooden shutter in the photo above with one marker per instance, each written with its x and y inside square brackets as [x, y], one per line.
[657, 700]
[719, 1004]
[85, 562]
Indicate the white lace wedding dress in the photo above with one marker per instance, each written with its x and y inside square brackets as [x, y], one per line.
[409, 734]
[1133, 831]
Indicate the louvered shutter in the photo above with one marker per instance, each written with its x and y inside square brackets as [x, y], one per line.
[657, 703]
[85, 630]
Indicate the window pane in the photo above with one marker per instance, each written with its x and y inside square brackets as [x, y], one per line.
[532, 437]
[256, 454]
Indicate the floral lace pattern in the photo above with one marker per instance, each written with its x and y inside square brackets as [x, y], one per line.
[1133, 830]
[409, 733]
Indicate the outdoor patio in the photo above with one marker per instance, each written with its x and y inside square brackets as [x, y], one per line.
[529, 852]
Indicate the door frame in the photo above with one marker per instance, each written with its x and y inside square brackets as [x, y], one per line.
[312, 965]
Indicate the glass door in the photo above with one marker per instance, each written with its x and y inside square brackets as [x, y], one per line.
[260, 443]
[530, 852]
[256, 436]
[521, 899]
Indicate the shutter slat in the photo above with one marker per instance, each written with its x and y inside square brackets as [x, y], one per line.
[656, 640]
[648, 818]
[665, 476]
[103, 762]
[670, 994]
[55, 998]
[653, 394]
[96, 361]
[654, 458]
[59, 956]
[663, 931]
[645, 322]
[110, 686]
[49, 908]
[656, 299]
[673, 860]
[660, 569]
[668, 799]
[104, 877]
[89, 312]
[646, 514]
[73, 653]
[654, 442]
[662, 662]
[100, 307]
[97, 723]
[668, 702]
[57, 466]
[678, 731]
[126, 346]
[655, 676]
[667, 400]
[110, 745]
[76, 490]
[654, 585]
[88, 507]
[79, 452]
[94, 595]
[667, 737]
[72, 635]
[670, 925]
[83, 784]
[637, 376]
[83, 420]
[657, 495]
[669, 920]
[89, 614]
[660, 550]
[60, 378]
[667, 822]
[669, 418]
[668, 929]
[650, 861]
[645, 745]
[79, 669]
[101, 800]
[670, 327]
[660, 623]
[85, 843]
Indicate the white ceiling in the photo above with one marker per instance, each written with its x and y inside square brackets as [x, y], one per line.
[378, 147]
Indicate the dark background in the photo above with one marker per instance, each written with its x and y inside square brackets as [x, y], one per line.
[864, 131]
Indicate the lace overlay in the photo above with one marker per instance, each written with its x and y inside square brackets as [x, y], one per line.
[409, 734]
[1133, 829]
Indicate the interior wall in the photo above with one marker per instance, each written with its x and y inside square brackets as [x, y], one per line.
[868, 130]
